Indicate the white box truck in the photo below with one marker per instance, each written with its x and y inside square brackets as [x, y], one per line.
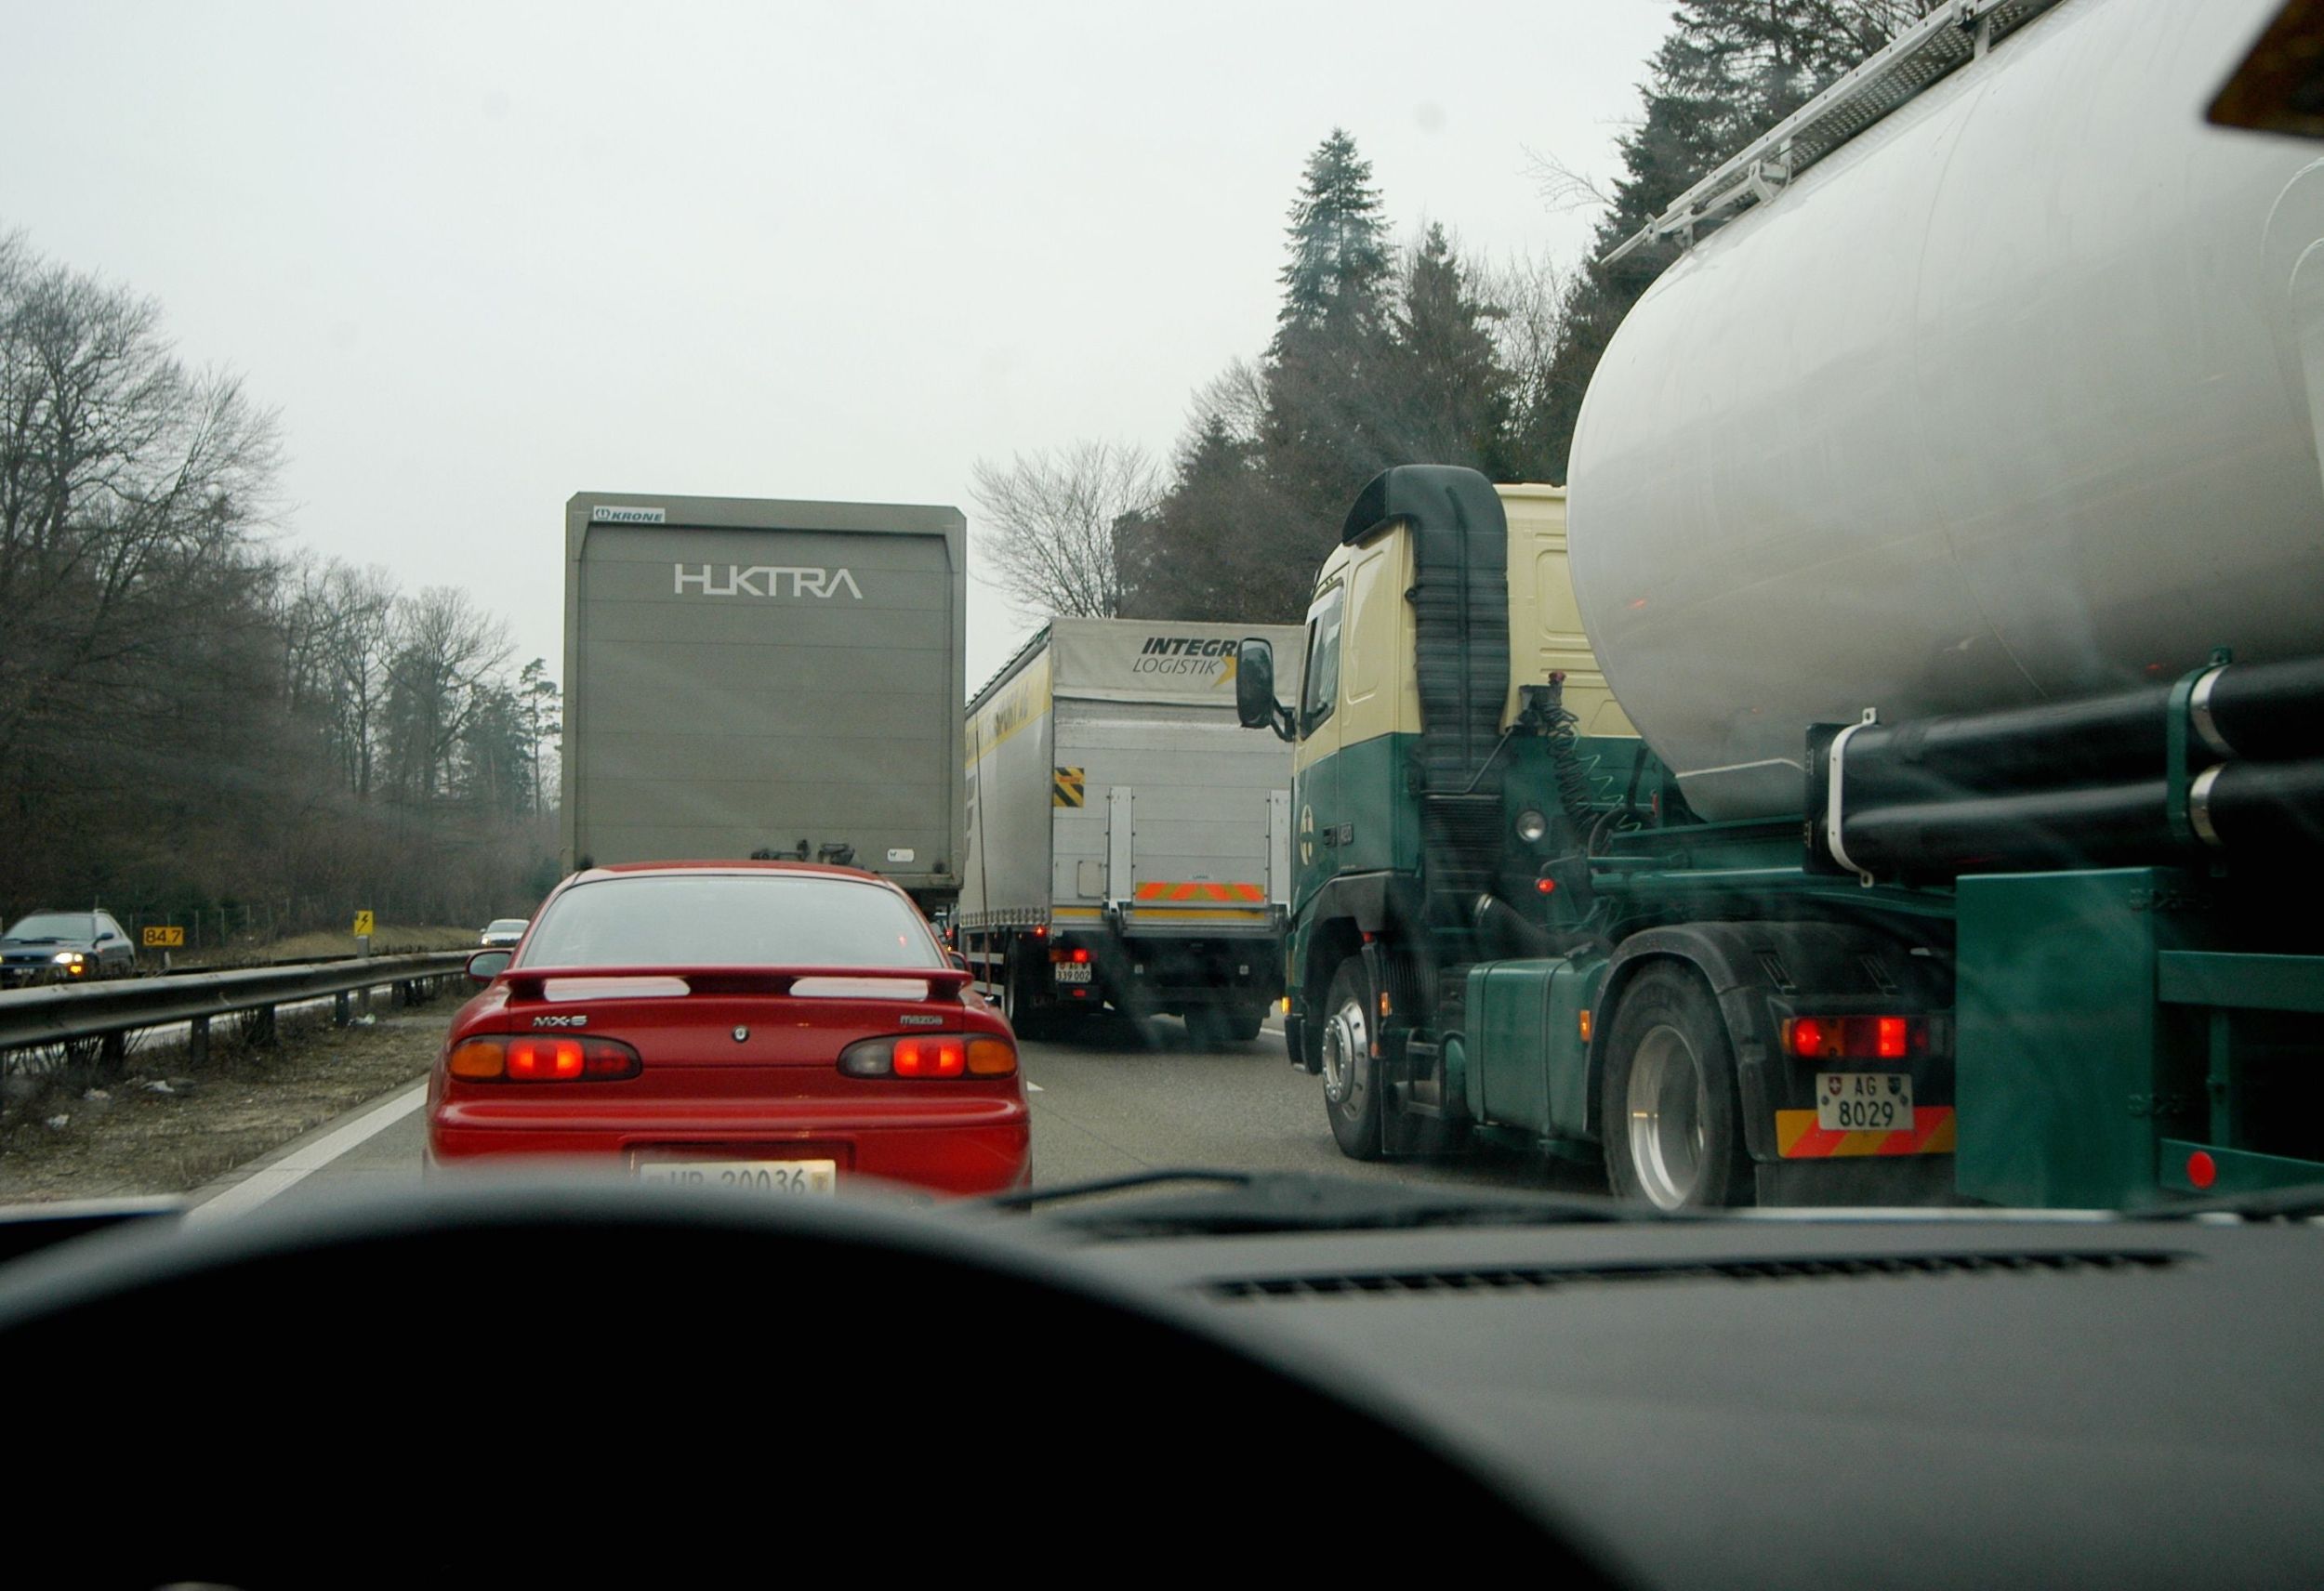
[1127, 846]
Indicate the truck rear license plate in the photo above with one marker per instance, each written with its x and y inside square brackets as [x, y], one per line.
[1863, 1101]
[1073, 972]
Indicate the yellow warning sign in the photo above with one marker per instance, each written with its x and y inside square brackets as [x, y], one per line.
[363, 925]
[165, 938]
[1066, 788]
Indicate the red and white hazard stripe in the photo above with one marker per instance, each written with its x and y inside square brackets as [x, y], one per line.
[1799, 1137]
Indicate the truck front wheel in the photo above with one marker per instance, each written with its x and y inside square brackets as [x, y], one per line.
[1669, 1114]
[1351, 1075]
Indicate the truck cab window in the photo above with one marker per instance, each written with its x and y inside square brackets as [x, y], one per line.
[1320, 687]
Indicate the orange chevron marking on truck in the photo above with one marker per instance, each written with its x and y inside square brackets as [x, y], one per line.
[1798, 1137]
[1234, 894]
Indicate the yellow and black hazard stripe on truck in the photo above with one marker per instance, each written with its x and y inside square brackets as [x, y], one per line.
[1067, 787]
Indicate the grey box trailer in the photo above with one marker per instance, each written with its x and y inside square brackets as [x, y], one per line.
[746, 675]
[1127, 844]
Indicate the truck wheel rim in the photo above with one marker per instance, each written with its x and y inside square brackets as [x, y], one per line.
[1347, 1047]
[1667, 1109]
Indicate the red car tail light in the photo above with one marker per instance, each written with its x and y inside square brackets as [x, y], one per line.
[929, 1055]
[991, 1058]
[544, 1060]
[478, 1058]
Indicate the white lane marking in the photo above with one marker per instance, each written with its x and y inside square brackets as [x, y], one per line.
[1032, 1087]
[265, 1182]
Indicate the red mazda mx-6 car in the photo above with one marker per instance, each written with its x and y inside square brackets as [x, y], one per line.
[763, 1025]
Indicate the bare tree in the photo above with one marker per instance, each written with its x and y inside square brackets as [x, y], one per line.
[1563, 187]
[448, 659]
[129, 486]
[1530, 292]
[1054, 520]
[1237, 397]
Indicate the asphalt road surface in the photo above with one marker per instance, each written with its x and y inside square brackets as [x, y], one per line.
[1108, 1099]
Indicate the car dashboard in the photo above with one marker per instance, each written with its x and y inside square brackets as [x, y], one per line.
[637, 1381]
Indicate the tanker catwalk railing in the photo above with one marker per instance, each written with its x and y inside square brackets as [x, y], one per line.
[109, 1012]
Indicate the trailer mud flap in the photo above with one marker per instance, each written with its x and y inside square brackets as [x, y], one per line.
[1893, 1182]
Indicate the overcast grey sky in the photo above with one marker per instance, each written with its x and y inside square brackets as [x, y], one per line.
[484, 256]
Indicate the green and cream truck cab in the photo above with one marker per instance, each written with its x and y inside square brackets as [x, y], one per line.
[1509, 923]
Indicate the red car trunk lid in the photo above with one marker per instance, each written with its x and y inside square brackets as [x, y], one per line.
[735, 1017]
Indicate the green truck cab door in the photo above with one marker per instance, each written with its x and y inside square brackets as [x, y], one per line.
[1315, 765]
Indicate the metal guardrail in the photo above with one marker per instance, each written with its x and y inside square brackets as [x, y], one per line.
[111, 1010]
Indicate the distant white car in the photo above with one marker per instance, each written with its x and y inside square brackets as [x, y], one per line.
[504, 932]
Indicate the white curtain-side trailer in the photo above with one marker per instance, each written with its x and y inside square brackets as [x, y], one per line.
[1126, 844]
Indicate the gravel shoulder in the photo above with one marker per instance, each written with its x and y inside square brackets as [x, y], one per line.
[165, 1128]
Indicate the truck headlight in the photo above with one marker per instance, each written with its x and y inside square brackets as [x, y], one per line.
[1531, 826]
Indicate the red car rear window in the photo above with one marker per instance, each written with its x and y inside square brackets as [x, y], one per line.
[730, 920]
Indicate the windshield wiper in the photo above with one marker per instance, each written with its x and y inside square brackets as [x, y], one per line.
[1258, 1202]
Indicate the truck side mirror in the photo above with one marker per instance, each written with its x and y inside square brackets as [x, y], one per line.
[1255, 702]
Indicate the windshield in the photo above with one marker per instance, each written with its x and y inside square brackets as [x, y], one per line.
[1790, 536]
[54, 925]
[730, 920]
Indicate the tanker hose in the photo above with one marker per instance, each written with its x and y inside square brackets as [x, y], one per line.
[1548, 711]
[1617, 820]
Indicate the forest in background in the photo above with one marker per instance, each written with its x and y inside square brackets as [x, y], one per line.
[1385, 354]
[198, 721]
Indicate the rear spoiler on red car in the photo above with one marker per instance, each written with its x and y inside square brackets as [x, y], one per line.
[531, 982]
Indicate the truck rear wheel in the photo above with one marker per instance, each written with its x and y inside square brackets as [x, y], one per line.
[1016, 1003]
[1351, 1075]
[1668, 1111]
[1243, 1026]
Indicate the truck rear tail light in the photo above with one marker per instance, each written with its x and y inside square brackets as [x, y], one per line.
[545, 1060]
[1855, 1038]
[929, 1055]
[1077, 952]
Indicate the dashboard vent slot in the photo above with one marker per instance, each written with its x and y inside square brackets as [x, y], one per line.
[1538, 1278]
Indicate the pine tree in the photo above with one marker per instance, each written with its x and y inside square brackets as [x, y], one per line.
[1192, 559]
[1339, 244]
[1452, 393]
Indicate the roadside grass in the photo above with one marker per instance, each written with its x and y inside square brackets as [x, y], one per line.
[169, 1127]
